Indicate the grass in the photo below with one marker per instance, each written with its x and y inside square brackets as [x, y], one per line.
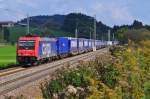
[7, 55]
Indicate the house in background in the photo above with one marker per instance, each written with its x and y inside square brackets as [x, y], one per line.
[4, 30]
[7, 23]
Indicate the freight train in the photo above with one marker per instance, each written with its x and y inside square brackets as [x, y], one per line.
[34, 50]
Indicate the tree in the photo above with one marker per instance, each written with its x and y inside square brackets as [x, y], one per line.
[6, 34]
[121, 35]
[138, 34]
[84, 24]
[137, 24]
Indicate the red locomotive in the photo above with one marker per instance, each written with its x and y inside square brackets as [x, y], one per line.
[27, 49]
[34, 49]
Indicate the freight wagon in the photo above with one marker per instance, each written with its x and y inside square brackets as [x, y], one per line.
[67, 46]
[73, 45]
[47, 49]
[63, 47]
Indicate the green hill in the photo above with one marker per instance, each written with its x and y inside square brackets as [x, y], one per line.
[68, 24]
[18, 31]
[57, 26]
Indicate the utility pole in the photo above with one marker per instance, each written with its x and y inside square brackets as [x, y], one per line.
[28, 24]
[102, 37]
[3, 34]
[94, 35]
[113, 36]
[76, 30]
[90, 30]
[76, 33]
[94, 29]
[90, 35]
[108, 35]
[28, 19]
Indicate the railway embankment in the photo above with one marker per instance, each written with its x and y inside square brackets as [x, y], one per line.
[124, 73]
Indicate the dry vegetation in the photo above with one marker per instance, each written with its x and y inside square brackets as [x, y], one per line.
[122, 75]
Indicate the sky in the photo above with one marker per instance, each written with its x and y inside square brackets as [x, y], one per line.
[110, 12]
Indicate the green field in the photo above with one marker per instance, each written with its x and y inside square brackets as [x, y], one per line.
[7, 55]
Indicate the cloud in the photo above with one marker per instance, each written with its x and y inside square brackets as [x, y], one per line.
[121, 14]
[29, 3]
[108, 11]
[113, 13]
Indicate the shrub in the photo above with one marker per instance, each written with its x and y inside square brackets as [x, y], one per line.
[78, 77]
[75, 78]
[147, 90]
[108, 74]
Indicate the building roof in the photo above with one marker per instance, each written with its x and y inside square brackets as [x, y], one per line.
[6, 22]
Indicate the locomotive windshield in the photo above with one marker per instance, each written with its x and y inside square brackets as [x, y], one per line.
[26, 45]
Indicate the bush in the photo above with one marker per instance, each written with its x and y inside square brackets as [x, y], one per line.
[108, 74]
[147, 90]
[75, 77]
[49, 88]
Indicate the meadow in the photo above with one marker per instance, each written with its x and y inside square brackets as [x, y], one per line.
[7, 55]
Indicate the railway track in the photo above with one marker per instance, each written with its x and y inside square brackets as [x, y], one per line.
[17, 79]
[11, 71]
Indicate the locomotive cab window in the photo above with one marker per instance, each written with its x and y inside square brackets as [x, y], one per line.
[26, 45]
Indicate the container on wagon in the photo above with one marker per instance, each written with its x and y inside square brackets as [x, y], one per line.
[73, 44]
[63, 46]
[47, 48]
[81, 45]
[86, 45]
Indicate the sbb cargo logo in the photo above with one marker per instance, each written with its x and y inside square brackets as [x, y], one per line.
[46, 50]
[63, 44]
